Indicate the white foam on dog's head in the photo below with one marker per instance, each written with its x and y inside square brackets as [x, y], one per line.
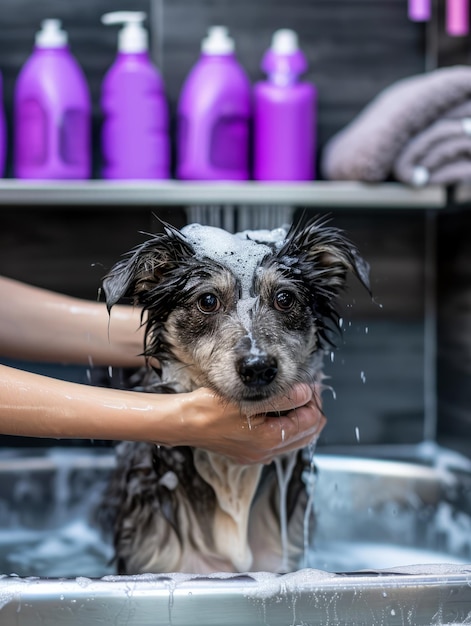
[239, 253]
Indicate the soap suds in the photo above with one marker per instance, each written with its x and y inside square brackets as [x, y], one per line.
[240, 253]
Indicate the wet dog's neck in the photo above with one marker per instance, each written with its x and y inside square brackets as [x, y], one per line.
[234, 486]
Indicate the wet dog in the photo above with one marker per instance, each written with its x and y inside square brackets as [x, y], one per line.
[248, 316]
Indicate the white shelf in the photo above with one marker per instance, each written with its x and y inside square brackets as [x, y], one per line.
[177, 193]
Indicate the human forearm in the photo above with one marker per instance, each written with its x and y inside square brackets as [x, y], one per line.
[40, 325]
[39, 406]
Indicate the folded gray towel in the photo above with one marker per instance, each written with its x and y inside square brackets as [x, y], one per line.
[441, 154]
[379, 141]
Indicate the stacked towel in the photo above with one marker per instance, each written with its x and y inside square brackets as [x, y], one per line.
[418, 131]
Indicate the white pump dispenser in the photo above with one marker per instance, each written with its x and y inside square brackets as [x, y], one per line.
[133, 36]
[51, 35]
[135, 130]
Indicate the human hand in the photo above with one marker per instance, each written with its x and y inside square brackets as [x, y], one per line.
[222, 428]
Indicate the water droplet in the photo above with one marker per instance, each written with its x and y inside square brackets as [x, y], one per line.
[332, 390]
[110, 371]
[357, 434]
[341, 322]
[332, 356]
[366, 330]
[363, 377]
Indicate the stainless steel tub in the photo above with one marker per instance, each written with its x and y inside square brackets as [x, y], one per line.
[392, 546]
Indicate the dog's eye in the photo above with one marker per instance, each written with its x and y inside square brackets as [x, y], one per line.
[284, 301]
[208, 303]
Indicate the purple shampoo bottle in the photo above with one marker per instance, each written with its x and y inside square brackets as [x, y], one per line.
[3, 131]
[284, 114]
[52, 121]
[420, 10]
[135, 137]
[214, 114]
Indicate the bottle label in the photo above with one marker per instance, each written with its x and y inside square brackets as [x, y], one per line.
[230, 143]
[74, 137]
[31, 144]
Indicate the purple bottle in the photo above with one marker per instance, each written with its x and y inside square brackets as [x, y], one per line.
[214, 114]
[52, 121]
[3, 131]
[135, 137]
[420, 10]
[284, 114]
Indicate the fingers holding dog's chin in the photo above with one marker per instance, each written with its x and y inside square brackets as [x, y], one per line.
[250, 438]
[299, 428]
[298, 396]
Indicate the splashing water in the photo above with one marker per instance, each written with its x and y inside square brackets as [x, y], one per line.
[357, 434]
[310, 481]
[284, 473]
[331, 389]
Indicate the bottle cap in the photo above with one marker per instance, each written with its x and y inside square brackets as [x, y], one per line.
[283, 60]
[133, 36]
[217, 41]
[51, 35]
[284, 41]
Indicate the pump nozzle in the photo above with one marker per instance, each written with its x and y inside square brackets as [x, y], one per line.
[51, 34]
[133, 36]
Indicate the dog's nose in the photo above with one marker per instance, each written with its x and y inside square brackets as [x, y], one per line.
[257, 371]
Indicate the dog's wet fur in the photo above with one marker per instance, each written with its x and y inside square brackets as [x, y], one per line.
[248, 318]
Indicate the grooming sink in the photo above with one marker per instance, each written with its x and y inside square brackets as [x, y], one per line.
[392, 546]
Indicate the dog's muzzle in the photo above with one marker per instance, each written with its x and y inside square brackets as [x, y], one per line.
[257, 371]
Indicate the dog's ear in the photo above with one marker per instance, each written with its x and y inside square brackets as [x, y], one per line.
[327, 255]
[141, 270]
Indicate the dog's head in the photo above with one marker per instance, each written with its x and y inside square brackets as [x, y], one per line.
[247, 315]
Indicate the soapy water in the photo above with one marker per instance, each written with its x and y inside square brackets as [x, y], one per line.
[77, 549]
[66, 543]
[341, 556]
